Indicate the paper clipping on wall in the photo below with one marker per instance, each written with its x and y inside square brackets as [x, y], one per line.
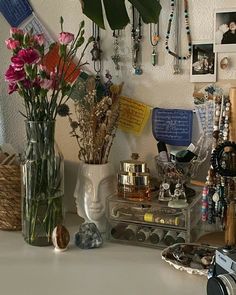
[133, 115]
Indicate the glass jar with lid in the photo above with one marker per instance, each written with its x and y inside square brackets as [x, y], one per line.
[134, 180]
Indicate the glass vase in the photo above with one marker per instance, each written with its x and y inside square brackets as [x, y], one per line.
[42, 184]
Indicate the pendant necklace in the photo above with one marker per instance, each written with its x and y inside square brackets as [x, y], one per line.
[96, 50]
[136, 36]
[154, 39]
[175, 11]
[116, 55]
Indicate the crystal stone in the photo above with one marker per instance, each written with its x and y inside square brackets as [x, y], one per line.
[88, 236]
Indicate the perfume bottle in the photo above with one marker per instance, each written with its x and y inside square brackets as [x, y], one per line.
[143, 234]
[130, 232]
[156, 236]
[170, 237]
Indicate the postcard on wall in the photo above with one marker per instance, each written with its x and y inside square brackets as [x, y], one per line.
[203, 62]
[225, 30]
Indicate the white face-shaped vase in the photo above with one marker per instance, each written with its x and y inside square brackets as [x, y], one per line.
[95, 183]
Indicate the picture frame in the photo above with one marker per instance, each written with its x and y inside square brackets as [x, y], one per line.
[203, 65]
[225, 30]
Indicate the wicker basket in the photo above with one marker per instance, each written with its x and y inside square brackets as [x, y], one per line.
[10, 197]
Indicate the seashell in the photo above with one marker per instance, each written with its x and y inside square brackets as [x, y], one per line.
[60, 238]
[224, 63]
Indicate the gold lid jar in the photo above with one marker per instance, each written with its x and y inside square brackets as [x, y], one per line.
[133, 165]
[134, 179]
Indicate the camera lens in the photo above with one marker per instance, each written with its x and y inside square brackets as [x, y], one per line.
[222, 285]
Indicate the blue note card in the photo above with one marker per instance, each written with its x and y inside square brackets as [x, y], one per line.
[15, 11]
[172, 126]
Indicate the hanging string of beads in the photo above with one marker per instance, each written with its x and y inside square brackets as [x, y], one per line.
[96, 51]
[217, 187]
[136, 35]
[187, 28]
[154, 40]
[116, 55]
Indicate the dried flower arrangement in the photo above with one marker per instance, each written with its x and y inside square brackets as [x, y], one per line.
[95, 119]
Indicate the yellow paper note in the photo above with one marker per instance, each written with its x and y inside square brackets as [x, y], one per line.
[133, 115]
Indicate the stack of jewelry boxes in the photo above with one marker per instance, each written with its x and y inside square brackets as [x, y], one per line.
[153, 223]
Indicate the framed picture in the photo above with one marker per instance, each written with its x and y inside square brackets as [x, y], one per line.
[203, 62]
[225, 30]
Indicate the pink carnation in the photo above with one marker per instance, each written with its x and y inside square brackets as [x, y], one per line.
[12, 87]
[39, 39]
[17, 63]
[13, 76]
[14, 31]
[65, 38]
[29, 55]
[12, 44]
[46, 84]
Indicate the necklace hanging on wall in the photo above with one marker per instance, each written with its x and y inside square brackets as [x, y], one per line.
[154, 39]
[96, 51]
[175, 11]
[116, 55]
[136, 35]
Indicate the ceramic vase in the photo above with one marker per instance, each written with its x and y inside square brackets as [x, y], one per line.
[95, 183]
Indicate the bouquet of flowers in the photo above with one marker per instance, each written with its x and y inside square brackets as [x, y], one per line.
[95, 119]
[43, 91]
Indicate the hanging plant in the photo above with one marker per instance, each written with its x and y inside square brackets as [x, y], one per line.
[116, 13]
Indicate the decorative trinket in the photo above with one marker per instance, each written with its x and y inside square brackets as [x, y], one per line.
[96, 51]
[60, 238]
[116, 56]
[88, 236]
[154, 39]
[136, 35]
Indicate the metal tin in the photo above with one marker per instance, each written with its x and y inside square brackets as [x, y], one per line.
[140, 179]
[133, 165]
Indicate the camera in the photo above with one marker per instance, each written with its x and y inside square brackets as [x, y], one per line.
[223, 273]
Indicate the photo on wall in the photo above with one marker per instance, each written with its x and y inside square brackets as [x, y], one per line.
[225, 30]
[203, 62]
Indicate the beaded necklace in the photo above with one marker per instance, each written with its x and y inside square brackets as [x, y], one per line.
[116, 55]
[187, 27]
[215, 192]
[96, 51]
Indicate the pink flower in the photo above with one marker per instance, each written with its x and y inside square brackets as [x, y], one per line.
[29, 55]
[65, 38]
[27, 84]
[13, 76]
[46, 84]
[14, 31]
[39, 39]
[17, 63]
[12, 87]
[12, 44]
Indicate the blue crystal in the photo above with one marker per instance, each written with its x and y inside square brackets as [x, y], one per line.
[88, 236]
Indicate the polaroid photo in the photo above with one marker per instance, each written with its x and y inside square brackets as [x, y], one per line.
[225, 30]
[203, 62]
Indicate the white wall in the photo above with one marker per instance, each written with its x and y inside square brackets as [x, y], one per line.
[156, 87]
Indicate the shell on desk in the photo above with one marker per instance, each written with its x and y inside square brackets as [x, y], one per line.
[60, 238]
[192, 258]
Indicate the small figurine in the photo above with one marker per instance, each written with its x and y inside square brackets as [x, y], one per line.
[96, 52]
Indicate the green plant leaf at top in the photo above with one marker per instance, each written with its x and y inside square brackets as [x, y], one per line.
[149, 9]
[116, 14]
[93, 10]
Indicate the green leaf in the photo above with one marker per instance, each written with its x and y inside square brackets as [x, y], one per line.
[149, 9]
[116, 13]
[93, 10]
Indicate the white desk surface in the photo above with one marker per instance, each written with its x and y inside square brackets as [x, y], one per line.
[113, 269]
